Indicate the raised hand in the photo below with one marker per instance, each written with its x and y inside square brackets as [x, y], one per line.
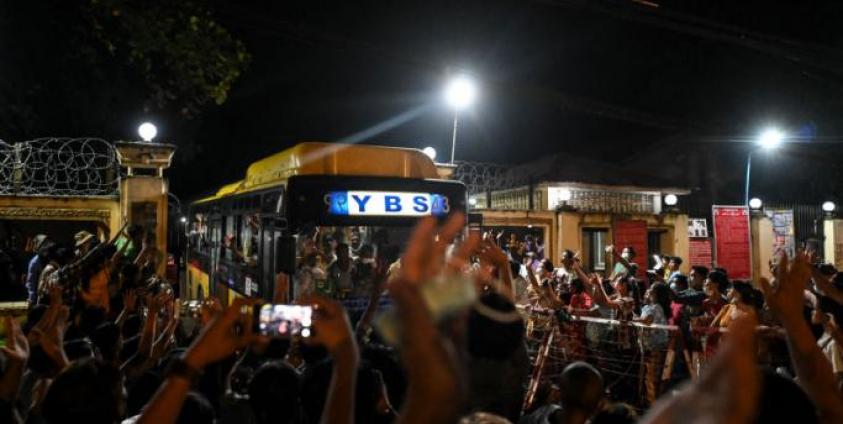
[17, 347]
[225, 334]
[785, 299]
[785, 295]
[48, 333]
[331, 327]
[491, 254]
[425, 354]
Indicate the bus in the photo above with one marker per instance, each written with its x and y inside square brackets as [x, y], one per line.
[303, 203]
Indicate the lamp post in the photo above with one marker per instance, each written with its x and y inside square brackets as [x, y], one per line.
[769, 140]
[459, 94]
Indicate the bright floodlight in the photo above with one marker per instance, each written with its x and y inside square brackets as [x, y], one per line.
[671, 200]
[755, 203]
[460, 92]
[564, 195]
[771, 138]
[147, 131]
[430, 152]
[472, 201]
[829, 206]
[183, 219]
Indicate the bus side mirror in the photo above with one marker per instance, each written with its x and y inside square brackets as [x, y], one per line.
[285, 255]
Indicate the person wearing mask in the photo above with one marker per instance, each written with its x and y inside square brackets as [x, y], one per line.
[623, 261]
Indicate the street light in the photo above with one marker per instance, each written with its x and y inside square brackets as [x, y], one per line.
[671, 200]
[430, 152]
[460, 93]
[829, 206]
[770, 139]
[755, 203]
[147, 131]
[183, 220]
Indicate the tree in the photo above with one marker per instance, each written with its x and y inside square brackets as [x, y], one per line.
[82, 66]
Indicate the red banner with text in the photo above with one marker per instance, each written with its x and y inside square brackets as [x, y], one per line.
[632, 233]
[700, 252]
[732, 240]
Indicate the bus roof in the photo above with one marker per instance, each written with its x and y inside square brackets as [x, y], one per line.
[318, 158]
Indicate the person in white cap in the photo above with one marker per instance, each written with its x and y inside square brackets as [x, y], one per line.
[84, 243]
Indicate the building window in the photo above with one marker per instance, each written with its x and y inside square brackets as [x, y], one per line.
[594, 246]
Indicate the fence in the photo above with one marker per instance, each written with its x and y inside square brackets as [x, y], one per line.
[638, 362]
[61, 167]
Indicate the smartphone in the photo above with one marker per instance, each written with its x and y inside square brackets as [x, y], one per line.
[285, 321]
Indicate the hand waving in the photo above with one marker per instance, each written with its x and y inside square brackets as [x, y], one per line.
[785, 295]
[225, 334]
[17, 347]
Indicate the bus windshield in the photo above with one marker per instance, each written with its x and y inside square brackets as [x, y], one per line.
[340, 261]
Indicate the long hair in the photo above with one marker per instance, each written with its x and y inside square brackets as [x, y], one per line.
[662, 294]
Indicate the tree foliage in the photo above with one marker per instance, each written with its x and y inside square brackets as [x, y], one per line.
[90, 67]
[183, 54]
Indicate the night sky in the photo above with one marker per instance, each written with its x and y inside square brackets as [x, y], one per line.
[615, 81]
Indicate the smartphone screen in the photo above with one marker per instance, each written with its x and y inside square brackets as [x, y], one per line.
[285, 320]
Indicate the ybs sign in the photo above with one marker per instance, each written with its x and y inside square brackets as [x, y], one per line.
[386, 203]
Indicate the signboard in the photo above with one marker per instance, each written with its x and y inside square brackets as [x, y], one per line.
[783, 230]
[632, 233]
[700, 252]
[732, 240]
[386, 203]
[697, 227]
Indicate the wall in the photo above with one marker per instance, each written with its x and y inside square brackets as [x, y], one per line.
[564, 229]
[761, 230]
[140, 188]
[105, 210]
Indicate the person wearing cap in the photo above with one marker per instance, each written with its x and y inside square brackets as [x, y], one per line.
[33, 271]
[84, 242]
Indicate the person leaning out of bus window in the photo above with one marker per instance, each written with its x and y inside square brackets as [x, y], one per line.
[251, 232]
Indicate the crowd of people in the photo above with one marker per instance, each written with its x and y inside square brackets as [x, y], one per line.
[106, 340]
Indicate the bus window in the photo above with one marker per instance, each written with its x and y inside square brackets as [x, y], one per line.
[249, 239]
[340, 261]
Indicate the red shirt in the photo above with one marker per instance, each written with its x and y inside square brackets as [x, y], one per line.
[580, 301]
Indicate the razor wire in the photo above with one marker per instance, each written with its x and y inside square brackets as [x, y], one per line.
[62, 167]
[480, 177]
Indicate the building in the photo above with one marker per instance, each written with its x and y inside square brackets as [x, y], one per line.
[581, 205]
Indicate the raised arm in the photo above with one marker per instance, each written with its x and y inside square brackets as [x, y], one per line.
[784, 297]
[226, 334]
[493, 255]
[433, 394]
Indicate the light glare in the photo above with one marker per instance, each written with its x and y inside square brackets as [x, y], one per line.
[771, 138]
[829, 206]
[430, 152]
[460, 92]
[147, 131]
[671, 200]
[755, 203]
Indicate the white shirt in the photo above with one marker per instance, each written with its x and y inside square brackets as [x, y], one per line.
[831, 351]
